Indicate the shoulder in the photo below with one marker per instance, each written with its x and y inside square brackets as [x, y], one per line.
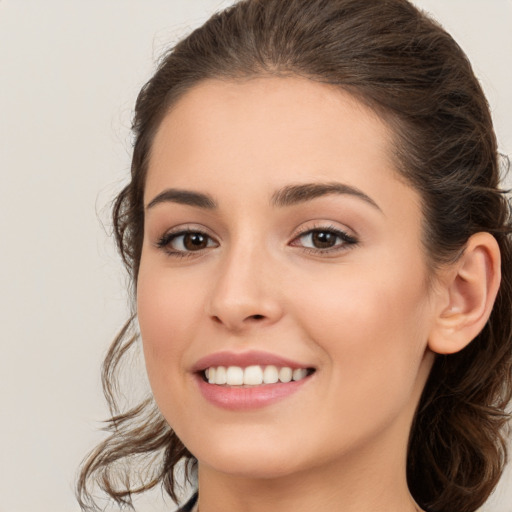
[188, 507]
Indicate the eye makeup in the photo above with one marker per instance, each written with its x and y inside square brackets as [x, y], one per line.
[320, 239]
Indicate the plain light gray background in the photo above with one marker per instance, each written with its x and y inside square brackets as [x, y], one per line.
[69, 74]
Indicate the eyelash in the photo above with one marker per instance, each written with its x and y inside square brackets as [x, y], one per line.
[347, 241]
[166, 239]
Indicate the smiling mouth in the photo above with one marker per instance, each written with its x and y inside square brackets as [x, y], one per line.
[254, 375]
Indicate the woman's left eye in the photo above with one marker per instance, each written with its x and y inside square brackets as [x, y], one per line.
[324, 239]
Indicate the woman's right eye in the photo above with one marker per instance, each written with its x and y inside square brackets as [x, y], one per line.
[183, 243]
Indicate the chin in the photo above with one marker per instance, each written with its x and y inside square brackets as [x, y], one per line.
[245, 457]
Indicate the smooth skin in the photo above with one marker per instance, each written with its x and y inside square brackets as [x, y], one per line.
[339, 281]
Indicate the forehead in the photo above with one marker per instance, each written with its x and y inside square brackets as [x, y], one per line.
[266, 132]
[282, 113]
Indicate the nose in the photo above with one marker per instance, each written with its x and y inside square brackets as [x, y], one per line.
[245, 292]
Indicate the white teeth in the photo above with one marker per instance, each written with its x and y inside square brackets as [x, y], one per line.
[270, 375]
[254, 375]
[235, 376]
[220, 375]
[299, 373]
[285, 374]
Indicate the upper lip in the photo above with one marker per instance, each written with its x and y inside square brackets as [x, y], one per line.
[244, 359]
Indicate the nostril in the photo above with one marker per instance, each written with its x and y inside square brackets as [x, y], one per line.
[257, 317]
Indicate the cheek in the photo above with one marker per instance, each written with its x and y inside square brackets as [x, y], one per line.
[167, 312]
[360, 301]
[373, 329]
[166, 302]
[165, 316]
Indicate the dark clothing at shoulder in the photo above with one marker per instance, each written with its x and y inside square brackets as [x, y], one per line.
[189, 505]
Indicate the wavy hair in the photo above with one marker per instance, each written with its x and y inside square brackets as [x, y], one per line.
[402, 64]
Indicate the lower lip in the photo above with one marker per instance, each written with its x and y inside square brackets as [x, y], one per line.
[247, 398]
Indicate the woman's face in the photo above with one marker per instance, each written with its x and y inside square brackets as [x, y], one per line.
[279, 237]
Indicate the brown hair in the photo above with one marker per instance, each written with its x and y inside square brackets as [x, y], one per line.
[406, 67]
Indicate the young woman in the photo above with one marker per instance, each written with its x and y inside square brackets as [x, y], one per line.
[321, 262]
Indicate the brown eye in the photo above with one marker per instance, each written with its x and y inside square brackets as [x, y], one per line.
[324, 240]
[195, 241]
[186, 242]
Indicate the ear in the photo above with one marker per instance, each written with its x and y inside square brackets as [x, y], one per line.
[467, 292]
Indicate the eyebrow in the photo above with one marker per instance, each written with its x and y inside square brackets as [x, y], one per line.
[187, 197]
[295, 194]
[286, 196]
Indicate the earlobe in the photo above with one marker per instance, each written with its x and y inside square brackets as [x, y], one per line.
[467, 295]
